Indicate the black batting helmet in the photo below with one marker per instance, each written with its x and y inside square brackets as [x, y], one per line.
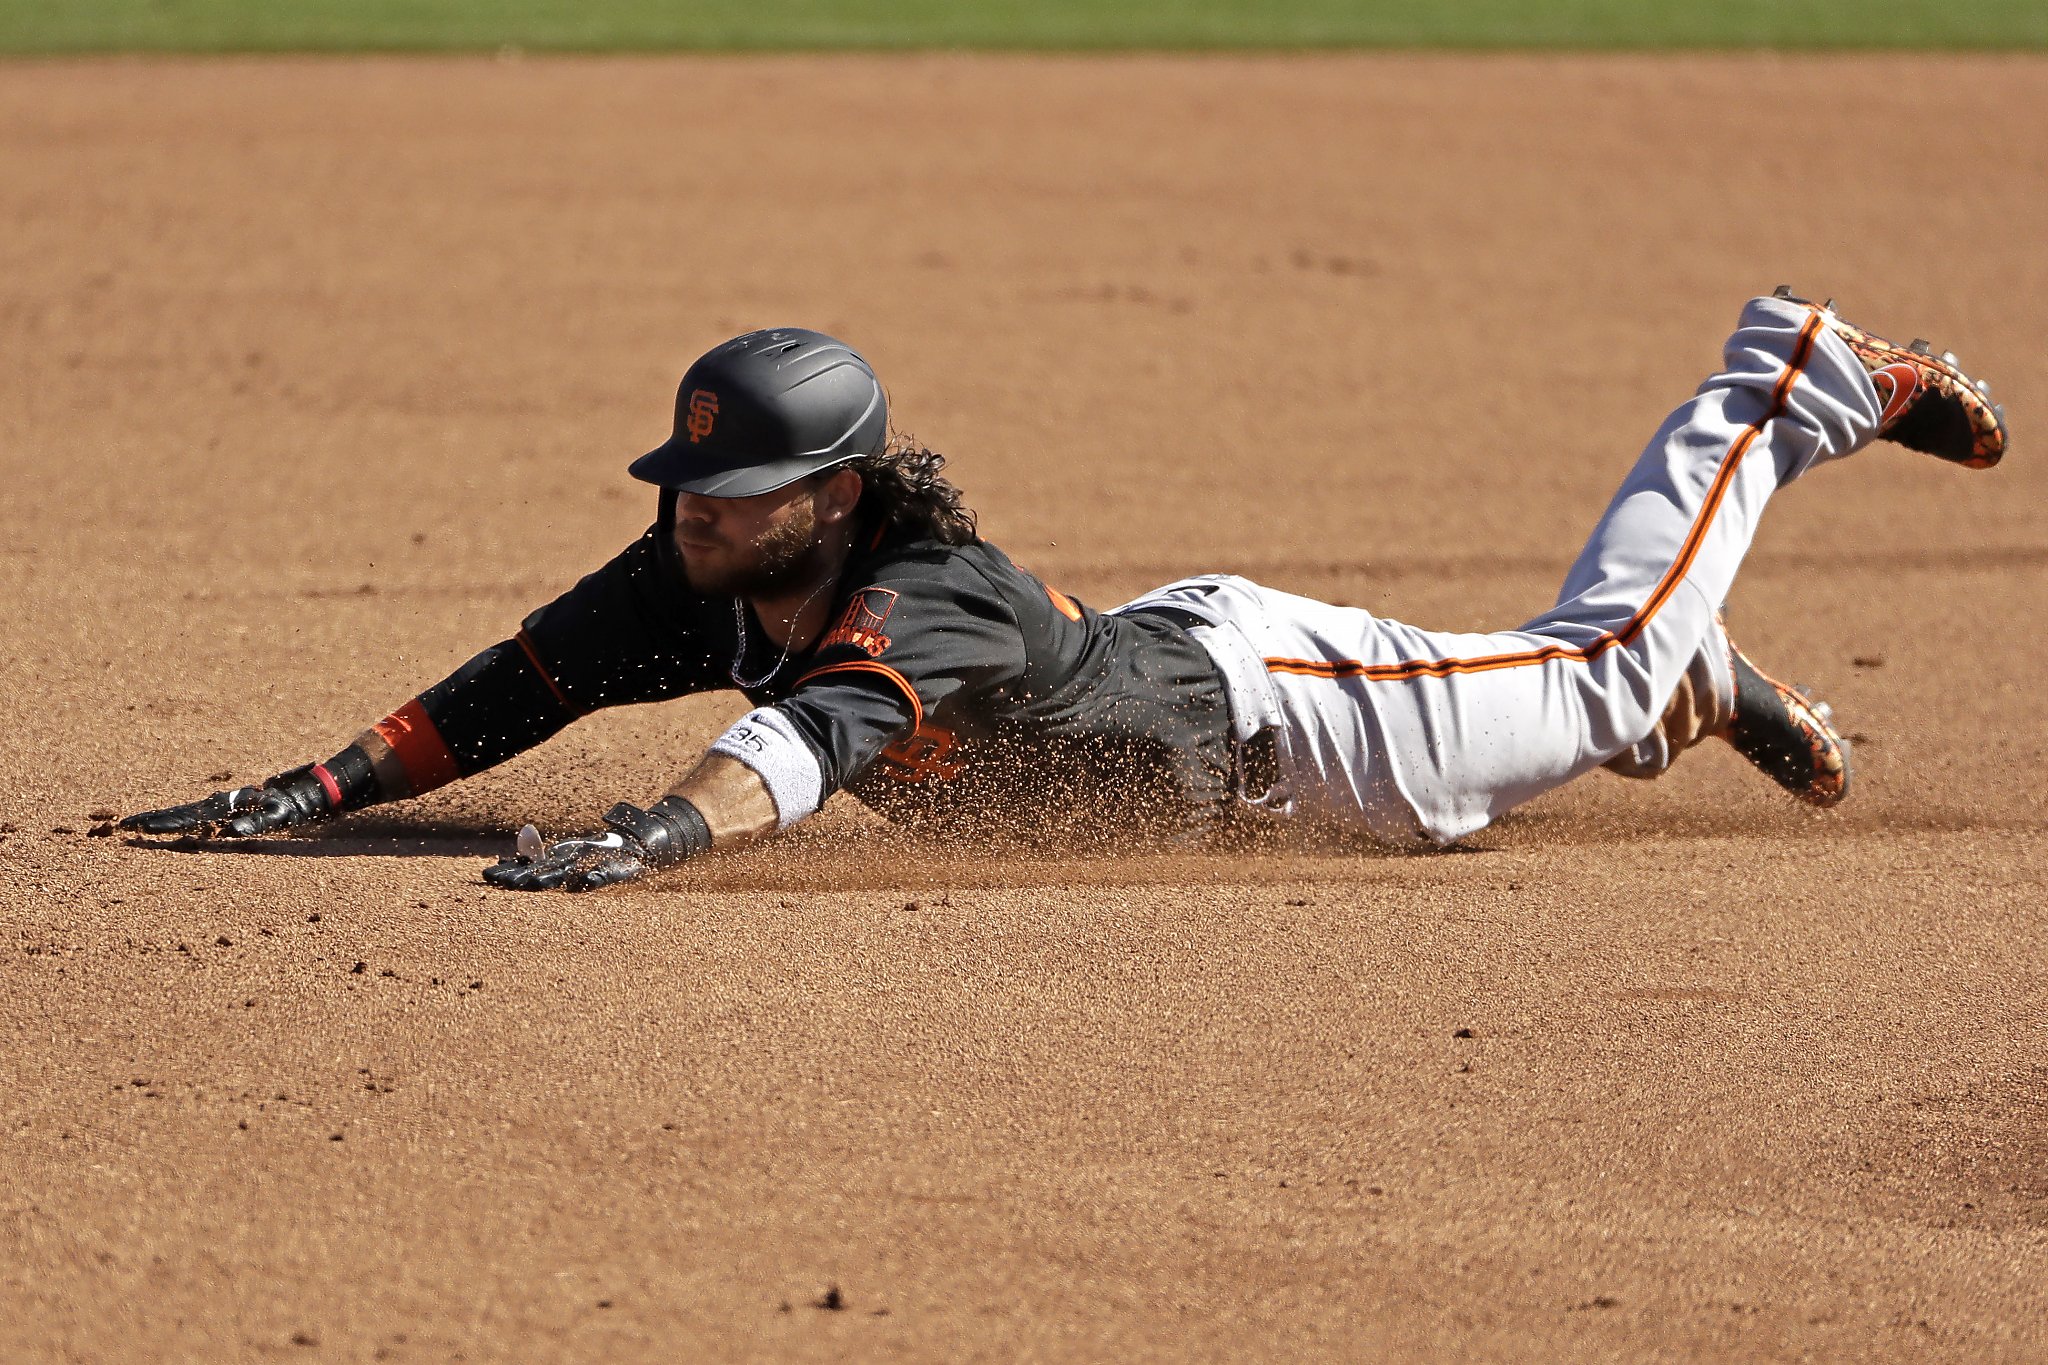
[761, 411]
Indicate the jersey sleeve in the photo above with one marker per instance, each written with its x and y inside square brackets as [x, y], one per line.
[631, 632]
[618, 637]
[901, 649]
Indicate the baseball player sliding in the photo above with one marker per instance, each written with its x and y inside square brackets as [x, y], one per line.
[836, 580]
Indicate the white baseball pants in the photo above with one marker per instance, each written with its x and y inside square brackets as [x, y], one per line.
[1427, 736]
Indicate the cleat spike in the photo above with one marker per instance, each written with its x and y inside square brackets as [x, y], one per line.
[1828, 307]
[1920, 347]
[1783, 291]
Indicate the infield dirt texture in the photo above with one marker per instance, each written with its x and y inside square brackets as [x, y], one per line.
[319, 375]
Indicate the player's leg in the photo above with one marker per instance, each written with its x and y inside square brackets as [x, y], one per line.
[1925, 403]
[1702, 705]
[1411, 731]
[1783, 730]
[1470, 725]
[1637, 616]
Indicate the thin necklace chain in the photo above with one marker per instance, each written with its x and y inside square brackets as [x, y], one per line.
[739, 620]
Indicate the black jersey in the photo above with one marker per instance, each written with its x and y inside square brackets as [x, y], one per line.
[951, 689]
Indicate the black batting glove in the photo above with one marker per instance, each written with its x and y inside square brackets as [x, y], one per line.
[580, 864]
[634, 842]
[293, 798]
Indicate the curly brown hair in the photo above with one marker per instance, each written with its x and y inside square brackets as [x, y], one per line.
[903, 489]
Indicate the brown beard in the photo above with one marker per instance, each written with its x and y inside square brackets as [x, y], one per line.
[784, 559]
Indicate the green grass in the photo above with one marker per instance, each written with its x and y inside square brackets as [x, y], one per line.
[78, 26]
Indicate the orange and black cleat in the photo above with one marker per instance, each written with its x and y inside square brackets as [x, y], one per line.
[1927, 403]
[1789, 736]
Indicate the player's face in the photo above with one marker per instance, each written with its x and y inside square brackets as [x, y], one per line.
[749, 547]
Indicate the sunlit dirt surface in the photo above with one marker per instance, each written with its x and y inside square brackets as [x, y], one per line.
[318, 376]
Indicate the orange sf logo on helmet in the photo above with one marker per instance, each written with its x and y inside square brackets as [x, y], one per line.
[703, 410]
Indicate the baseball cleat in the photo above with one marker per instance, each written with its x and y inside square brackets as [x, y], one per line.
[1927, 403]
[1788, 735]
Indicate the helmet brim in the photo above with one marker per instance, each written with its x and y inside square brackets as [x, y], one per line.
[676, 466]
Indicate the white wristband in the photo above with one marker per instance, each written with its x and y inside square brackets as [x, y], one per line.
[765, 741]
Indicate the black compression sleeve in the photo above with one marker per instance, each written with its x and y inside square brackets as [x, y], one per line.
[350, 777]
[496, 705]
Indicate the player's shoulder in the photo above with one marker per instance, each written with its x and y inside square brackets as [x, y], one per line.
[929, 585]
[976, 578]
[926, 561]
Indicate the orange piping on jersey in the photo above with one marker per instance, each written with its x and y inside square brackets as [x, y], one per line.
[533, 657]
[863, 666]
[1781, 393]
[421, 751]
[1062, 603]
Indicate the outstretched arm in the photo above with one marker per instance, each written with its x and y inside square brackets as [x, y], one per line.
[614, 639]
[733, 798]
[761, 775]
[864, 690]
[498, 704]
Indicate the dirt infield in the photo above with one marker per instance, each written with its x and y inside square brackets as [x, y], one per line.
[319, 375]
